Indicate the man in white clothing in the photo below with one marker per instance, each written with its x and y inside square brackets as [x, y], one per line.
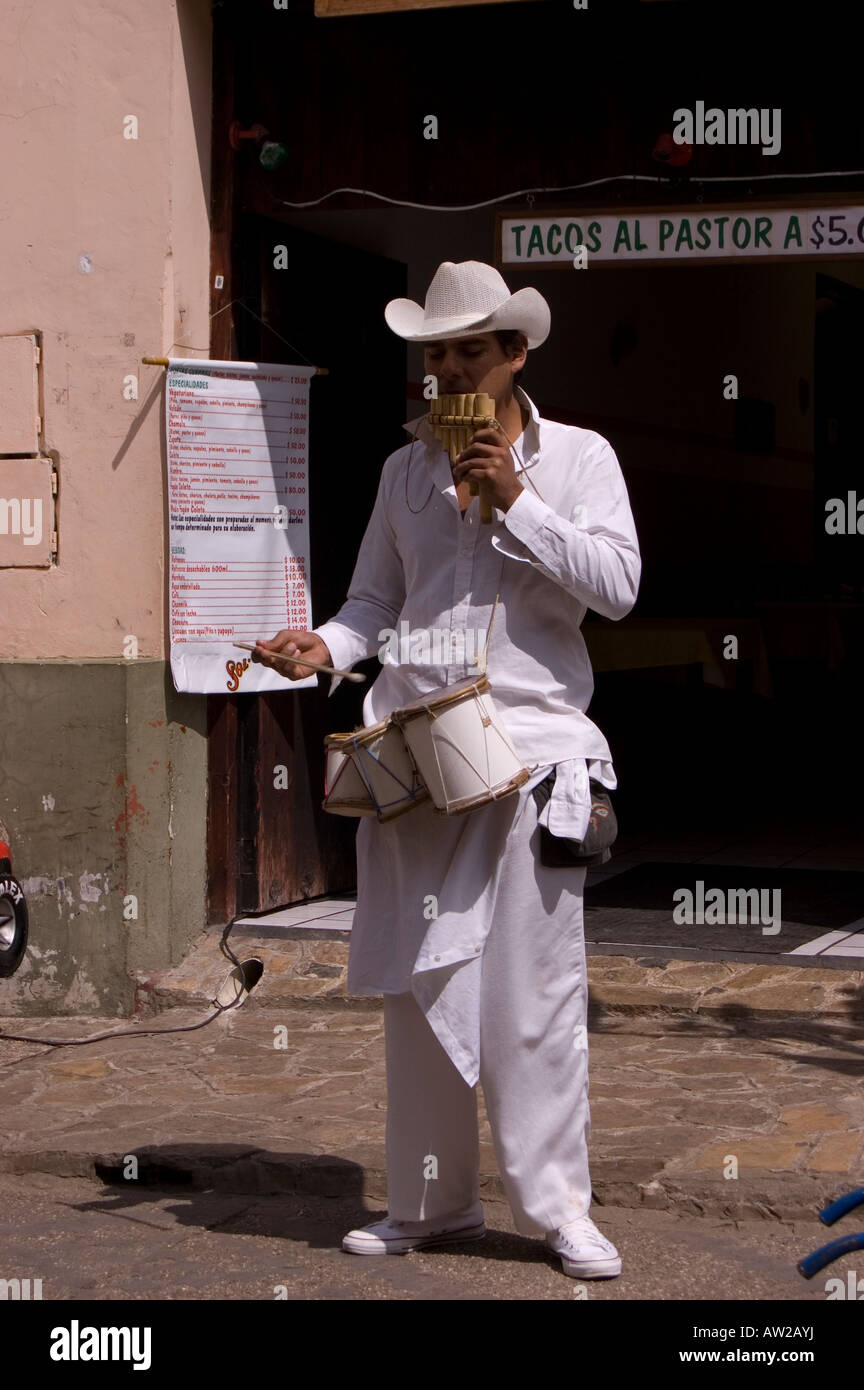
[490, 984]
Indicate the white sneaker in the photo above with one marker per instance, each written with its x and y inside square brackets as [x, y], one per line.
[585, 1252]
[398, 1237]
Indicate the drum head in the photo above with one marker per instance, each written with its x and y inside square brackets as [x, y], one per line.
[357, 737]
[441, 698]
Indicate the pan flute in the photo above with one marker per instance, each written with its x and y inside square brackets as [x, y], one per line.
[454, 420]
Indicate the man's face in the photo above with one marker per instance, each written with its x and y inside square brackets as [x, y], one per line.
[472, 364]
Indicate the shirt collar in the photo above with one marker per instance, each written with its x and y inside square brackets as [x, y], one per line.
[530, 450]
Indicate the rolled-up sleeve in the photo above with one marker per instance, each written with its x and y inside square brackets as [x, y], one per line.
[598, 562]
[376, 594]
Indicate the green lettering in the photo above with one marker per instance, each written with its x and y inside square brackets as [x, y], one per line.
[684, 234]
[535, 241]
[666, 229]
[640, 245]
[570, 248]
[594, 230]
[763, 227]
[720, 221]
[517, 232]
[553, 250]
[622, 235]
[703, 227]
[741, 222]
[793, 220]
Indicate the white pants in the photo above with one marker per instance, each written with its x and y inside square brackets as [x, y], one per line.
[533, 1070]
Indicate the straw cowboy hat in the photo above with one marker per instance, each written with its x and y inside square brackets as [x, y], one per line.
[467, 298]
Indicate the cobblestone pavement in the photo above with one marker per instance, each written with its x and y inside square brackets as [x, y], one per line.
[677, 1104]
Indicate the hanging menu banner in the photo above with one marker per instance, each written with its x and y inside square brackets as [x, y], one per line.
[238, 444]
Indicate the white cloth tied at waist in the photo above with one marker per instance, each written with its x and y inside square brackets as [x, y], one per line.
[445, 979]
[568, 810]
[457, 935]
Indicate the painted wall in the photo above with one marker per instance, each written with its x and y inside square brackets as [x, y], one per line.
[105, 245]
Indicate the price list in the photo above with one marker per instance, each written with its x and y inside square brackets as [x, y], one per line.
[237, 437]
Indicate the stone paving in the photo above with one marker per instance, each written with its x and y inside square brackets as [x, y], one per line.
[312, 963]
[307, 963]
[700, 1070]
[679, 1103]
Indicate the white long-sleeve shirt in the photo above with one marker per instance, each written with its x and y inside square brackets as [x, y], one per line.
[567, 543]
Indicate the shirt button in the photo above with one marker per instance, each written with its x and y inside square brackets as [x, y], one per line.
[437, 957]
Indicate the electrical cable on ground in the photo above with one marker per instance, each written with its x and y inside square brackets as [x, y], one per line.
[148, 1032]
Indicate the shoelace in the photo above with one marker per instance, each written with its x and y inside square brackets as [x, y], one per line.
[576, 1236]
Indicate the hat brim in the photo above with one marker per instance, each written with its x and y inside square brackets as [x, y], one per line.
[526, 310]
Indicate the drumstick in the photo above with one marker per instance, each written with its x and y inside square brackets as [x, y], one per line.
[301, 661]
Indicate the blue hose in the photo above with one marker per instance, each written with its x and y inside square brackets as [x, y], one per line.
[826, 1254]
[811, 1264]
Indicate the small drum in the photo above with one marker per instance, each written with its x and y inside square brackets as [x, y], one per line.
[461, 747]
[370, 772]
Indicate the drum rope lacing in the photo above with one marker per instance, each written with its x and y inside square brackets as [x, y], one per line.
[486, 722]
[481, 662]
[414, 792]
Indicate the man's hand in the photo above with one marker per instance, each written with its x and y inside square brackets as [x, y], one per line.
[488, 459]
[292, 643]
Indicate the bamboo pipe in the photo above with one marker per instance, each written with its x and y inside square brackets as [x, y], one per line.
[453, 420]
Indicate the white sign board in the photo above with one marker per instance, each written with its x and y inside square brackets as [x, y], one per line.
[691, 235]
[238, 442]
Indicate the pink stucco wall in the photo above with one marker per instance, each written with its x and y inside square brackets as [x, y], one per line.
[77, 194]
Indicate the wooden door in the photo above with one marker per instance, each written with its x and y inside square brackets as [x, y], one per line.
[273, 845]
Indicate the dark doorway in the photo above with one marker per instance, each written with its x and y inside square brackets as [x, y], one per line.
[328, 303]
[839, 431]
